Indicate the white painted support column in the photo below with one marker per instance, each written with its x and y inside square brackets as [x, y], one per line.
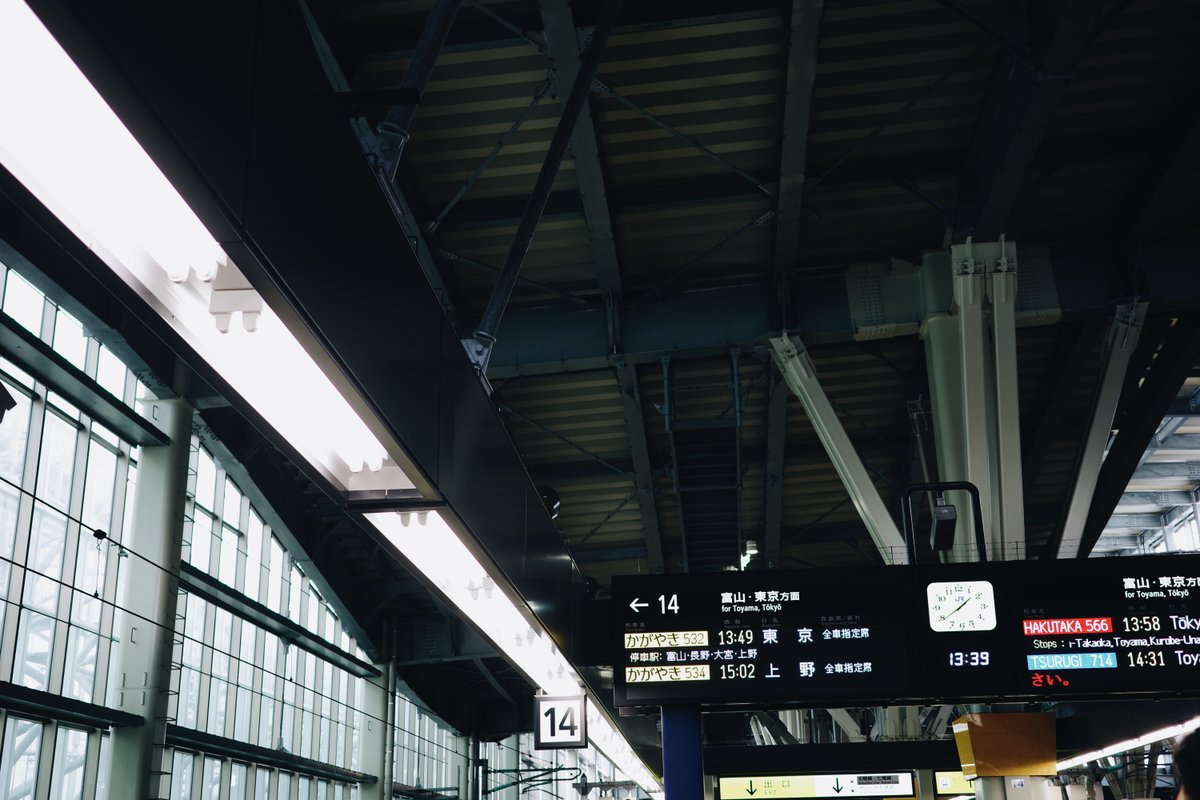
[939, 331]
[801, 377]
[974, 367]
[1122, 341]
[970, 344]
[149, 591]
[1010, 485]
[377, 734]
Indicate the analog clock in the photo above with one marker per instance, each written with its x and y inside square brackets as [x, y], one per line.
[961, 606]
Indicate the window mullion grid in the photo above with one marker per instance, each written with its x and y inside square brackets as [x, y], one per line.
[24, 529]
[218, 525]
[45, 772]
[70, 562]
[111, 566]
[206, 659]
[91, 766]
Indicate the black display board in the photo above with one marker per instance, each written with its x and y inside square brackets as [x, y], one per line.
[1025, 630]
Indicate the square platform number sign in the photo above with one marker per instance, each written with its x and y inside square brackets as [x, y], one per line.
[561, 723]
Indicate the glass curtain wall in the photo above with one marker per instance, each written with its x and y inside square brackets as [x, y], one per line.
[426, 753]
[65, 482]
[239, 681]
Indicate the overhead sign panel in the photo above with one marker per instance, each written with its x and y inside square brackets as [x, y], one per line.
[561, 722]
[874, 784]
[1036, 630]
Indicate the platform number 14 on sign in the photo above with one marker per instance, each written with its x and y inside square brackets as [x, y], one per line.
[561, 722]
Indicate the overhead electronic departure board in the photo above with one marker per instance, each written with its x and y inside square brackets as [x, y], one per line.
[1020, 630]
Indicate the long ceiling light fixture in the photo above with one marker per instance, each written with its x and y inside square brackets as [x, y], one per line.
[1161, 734]
[436, 550]
[64, 143]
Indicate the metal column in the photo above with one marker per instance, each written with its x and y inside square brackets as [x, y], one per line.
[1010, 481]
[1122, 341]
[970, 339]
[969, 288]
[801, 377]
[149, 596]
[378, 694]
[683, 767]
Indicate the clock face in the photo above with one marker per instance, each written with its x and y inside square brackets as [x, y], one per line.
[961, 606]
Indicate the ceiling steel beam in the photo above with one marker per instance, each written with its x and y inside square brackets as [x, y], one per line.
[643, 472]
[395, 38]
[397, 202]
[1182, 442]
[1145, 502]
[1122, 341]
[801, 72]
[1118, 542]
[554, 340]
[1185, 406]
[1064, 369]
[393, 132]
[1135, 522]
[1170, 166]
[1175, 361]
[573, 105]
[1173, 472]
[564, 50]
[940, 166]
[777, 403]
[1016, 115]
[800, 375]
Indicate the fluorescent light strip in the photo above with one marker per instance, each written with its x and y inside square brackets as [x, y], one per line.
[436, 550]
[63, 142]
[1169, 732]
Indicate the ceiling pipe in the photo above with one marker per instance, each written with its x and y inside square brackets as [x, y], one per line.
[480, 346]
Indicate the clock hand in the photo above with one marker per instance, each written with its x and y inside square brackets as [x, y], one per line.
[960, 605]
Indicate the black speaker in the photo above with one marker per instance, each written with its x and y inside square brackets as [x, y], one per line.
[945, 520]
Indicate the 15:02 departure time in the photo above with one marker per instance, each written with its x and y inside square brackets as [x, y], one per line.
[732, 671]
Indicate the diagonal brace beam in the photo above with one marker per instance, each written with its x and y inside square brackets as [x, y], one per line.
[1122, 341]
[635, 423]
[801, 377]
[562, 46]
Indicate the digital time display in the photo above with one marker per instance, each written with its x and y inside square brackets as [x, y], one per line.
[970, 658]
[1023, 630]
